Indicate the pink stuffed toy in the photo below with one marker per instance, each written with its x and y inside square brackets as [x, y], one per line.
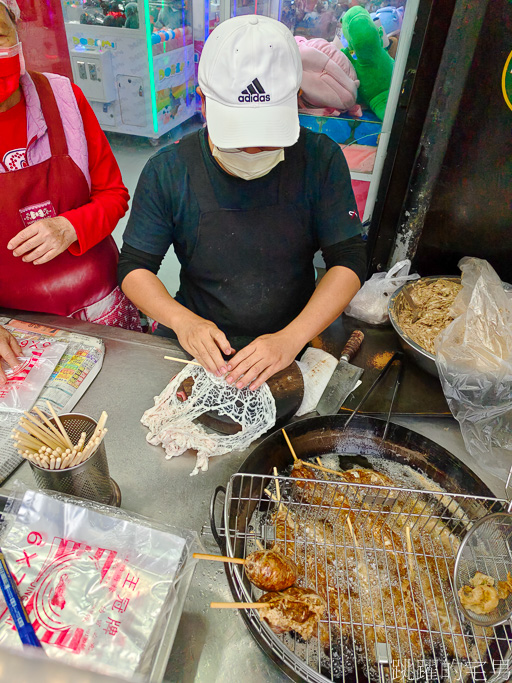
[329, 81]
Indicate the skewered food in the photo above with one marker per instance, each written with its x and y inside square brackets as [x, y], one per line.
[373, 567]
[270, 570]
[433, 300]
[295, 609]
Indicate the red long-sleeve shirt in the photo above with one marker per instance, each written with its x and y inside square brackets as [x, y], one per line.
[109, 197]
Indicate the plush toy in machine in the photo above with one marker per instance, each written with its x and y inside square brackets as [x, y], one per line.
[390, 18]
[329, 81]
[373, 65]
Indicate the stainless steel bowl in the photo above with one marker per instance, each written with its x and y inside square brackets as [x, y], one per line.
[426, 360]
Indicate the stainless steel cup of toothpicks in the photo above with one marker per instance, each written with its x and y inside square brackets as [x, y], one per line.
[67, 454]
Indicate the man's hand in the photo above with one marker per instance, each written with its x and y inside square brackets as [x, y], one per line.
[43, 240]
[261, 359]
[204, 341]
[9, 351]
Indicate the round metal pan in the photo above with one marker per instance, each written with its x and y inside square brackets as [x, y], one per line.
[319, 436]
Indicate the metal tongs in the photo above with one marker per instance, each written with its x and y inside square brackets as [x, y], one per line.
[397, 356]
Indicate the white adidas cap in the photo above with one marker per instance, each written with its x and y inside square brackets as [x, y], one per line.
[250, 73]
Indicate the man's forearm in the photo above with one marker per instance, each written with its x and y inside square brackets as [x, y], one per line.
[332, 295]
[151, 297]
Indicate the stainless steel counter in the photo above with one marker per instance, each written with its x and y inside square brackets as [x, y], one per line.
[212, 646]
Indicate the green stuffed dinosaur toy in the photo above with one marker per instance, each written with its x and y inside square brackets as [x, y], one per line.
[373, 65]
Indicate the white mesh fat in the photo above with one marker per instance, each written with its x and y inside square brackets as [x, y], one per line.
[171, 422]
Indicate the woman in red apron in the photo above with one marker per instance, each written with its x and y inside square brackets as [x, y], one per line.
[61, 195]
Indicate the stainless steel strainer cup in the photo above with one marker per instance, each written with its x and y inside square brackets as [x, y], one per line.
[487, 548]
[90, 479]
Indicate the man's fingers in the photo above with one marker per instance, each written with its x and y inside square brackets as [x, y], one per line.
[222, 342]
[240, 356]
[23, 236]
[8, 354]
[3, 378]
[251, 374]
[237, 372]
[262, 378]
[210, 355]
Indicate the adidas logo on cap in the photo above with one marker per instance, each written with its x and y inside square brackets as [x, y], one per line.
[254, 93]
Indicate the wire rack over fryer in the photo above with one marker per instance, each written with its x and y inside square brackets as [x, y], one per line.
[383, 560]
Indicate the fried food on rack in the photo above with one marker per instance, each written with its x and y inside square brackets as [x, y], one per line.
[318, 491]
[295, 609]
[481, 599]
[270, 570]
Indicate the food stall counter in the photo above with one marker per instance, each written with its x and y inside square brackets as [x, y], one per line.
[210, 645]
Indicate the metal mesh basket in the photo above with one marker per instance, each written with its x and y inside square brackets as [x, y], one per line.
[387, 578]
[90, 479]
[487, 549]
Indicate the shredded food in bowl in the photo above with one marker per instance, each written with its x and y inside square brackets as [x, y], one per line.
[434, 299]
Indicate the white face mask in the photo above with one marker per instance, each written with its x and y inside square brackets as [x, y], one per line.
[248, 166]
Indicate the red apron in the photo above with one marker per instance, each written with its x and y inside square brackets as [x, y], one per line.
[67, 283]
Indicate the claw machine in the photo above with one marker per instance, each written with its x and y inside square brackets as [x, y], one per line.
[134, 62]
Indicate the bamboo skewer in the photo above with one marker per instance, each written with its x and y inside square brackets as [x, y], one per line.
[39, 434]
[182, 360]
[292, 451]
[218, 558]
[410, 561]
[52, 427]
[43, 429]
[239, 605]
[59, 425]
[321, 468]
[47, 447]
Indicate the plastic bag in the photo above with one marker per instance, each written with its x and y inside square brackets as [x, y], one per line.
[370, 304]
[474, 361]
[25, 383]
[104, 588]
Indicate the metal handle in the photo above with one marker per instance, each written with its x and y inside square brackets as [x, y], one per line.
[398, 381]
[213, 524]
[352, 346]
[381, 375]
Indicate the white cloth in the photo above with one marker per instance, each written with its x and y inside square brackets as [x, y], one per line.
[317, 367]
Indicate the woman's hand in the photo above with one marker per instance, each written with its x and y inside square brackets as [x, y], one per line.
[43, 240]
[9, 351]
[204, 341]
[261, 359]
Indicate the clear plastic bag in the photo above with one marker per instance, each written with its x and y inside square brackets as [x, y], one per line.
[25, 383]
[474, 361]
[370, 304]
[103, 587]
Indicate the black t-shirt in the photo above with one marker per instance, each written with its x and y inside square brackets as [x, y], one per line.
[165, 211]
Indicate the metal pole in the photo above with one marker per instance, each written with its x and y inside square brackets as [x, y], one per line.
[451, 78]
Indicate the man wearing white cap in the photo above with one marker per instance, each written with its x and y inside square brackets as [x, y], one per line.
[246, 203]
